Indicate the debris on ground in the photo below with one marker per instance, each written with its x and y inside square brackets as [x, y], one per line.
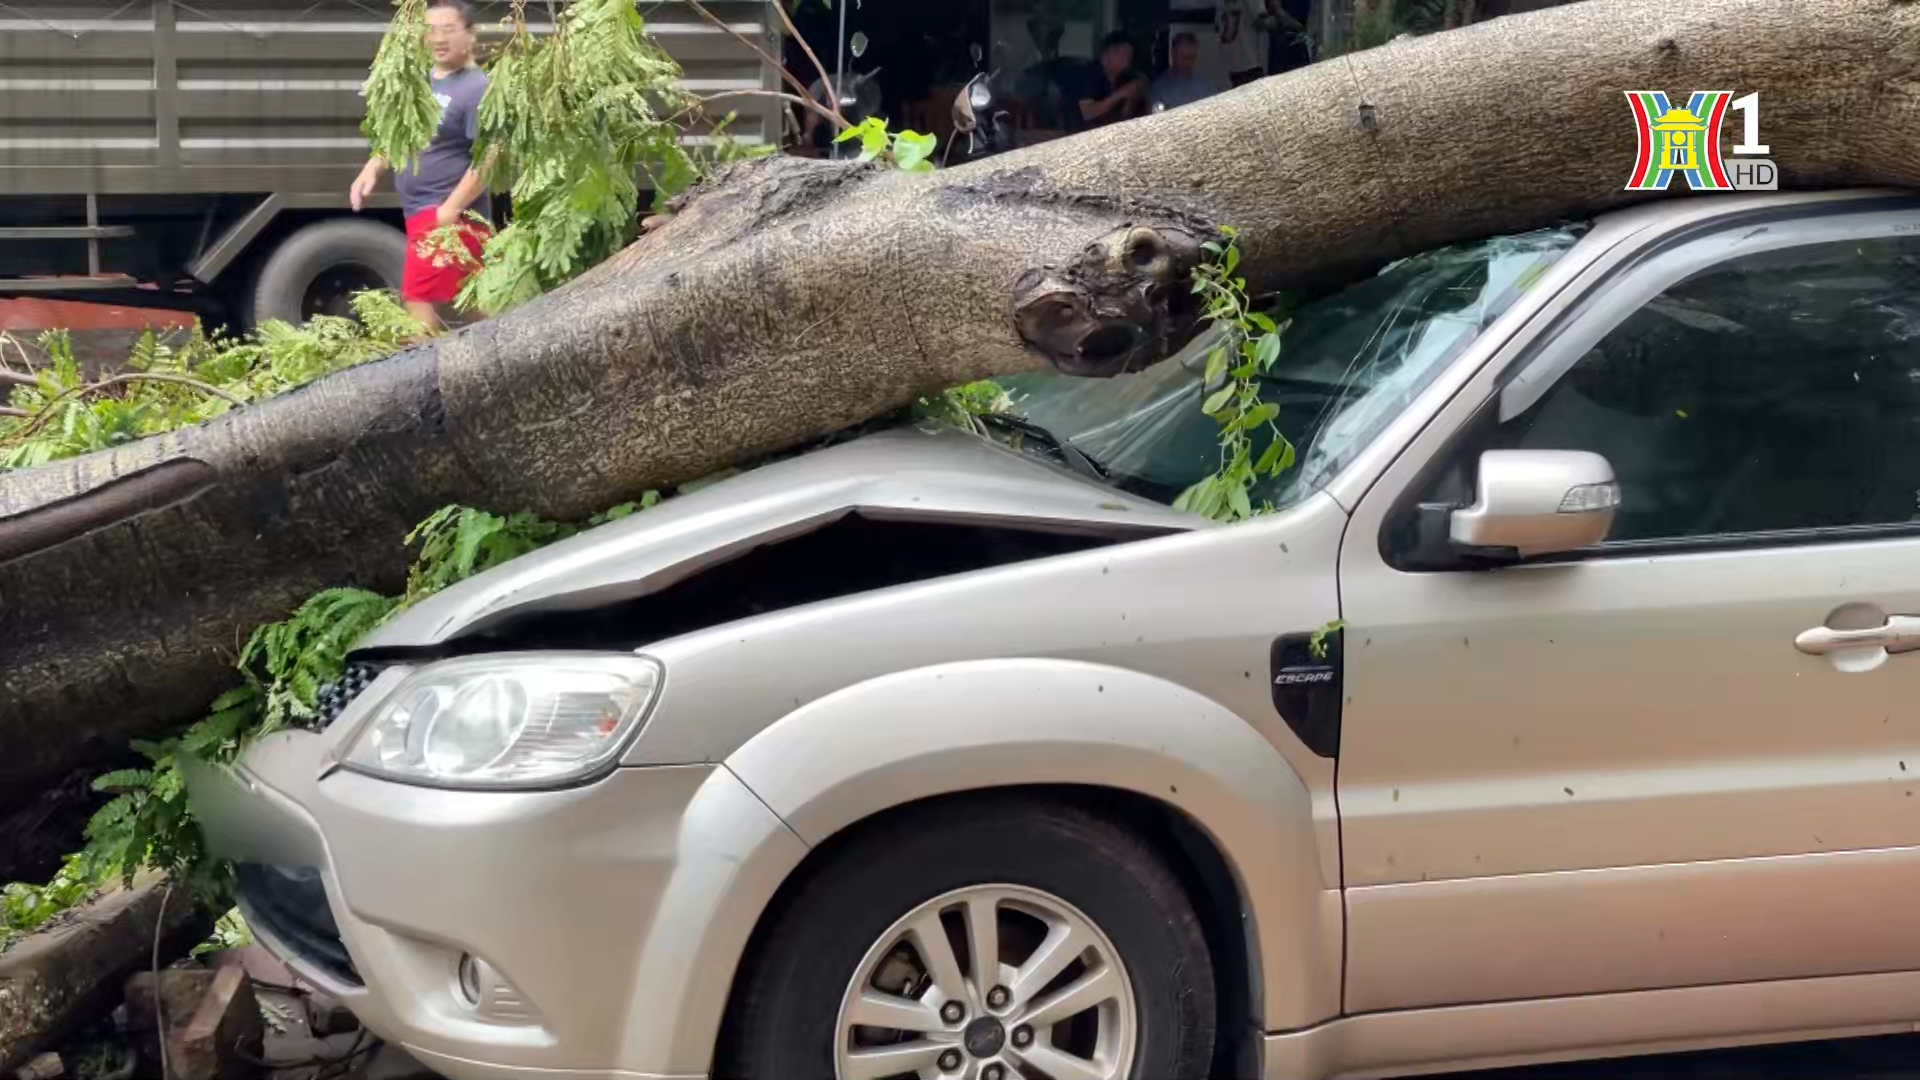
[209, 1027]
[55, 978]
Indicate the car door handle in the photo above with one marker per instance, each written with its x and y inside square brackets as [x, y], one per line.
[1899, 632]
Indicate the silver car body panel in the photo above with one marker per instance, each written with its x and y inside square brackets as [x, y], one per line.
[1664, 832]
[906, 473]
[591, 902]
[965, 726]
[1198, 611]
[1417, 1042]
[622, 908]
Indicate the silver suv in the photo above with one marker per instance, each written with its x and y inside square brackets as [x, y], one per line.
[939, 756]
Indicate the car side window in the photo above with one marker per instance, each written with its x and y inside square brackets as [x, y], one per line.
[1775, 391]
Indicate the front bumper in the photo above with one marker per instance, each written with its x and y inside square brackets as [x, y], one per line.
[609, 917]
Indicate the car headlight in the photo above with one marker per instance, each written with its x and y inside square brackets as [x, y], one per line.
[506, 721]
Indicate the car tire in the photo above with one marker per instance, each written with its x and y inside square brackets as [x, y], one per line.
[316, 269]
[785, 1020]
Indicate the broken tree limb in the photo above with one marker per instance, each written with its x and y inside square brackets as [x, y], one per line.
[790, 298]
[74, 967]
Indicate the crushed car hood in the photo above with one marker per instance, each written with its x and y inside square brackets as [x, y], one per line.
[904, 474]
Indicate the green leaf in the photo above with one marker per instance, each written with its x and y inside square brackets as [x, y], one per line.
[1216, 364]
[1276, 458]
[1266, 349]
[1258, 415]
[1184, 503]
[1237, 499]
[1232, 260]
[911, 149]
[1218, 400]
[121, 781]
[239, 695]
[1317, 642]
[1263, 322]
[152, 751]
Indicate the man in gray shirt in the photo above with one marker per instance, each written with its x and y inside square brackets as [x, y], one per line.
[439, 189]
[1182, 84]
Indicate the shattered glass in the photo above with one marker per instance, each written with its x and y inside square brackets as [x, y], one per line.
[1349, 364]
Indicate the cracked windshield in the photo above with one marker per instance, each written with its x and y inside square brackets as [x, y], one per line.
[1348, 363]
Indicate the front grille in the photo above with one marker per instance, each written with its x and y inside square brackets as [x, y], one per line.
[290, 903]
[333, 698]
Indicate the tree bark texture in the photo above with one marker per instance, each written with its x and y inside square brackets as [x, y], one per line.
[792, 298]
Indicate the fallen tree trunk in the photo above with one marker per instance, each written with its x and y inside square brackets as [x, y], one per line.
[792, 298]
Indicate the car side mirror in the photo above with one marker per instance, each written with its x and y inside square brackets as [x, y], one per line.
[1537, 502]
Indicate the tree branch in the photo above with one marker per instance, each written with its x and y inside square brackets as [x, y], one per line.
[832, 108]
[39, 419]
[833, 92]
[806, 103]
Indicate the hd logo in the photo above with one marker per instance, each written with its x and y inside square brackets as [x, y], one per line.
[1687, 141]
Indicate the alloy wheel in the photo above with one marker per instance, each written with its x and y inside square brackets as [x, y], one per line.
[988, 982]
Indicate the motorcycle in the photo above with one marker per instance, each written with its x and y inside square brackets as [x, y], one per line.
[858, 97]
[976, 114]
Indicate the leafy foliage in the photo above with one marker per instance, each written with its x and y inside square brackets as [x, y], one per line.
[457, 542]
[286, 663]
[569, 123]
[1250, 343]
[909, 151]
[147, 822]
[230, 931]
[25, 908]
[401, 113]
[171, 383]
[958, 405]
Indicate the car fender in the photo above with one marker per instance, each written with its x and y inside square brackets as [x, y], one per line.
[996, 723]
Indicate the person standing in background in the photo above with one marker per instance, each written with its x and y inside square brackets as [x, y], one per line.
[1182, 84]
[1242, 45]
[1107, 89]
[444, 184]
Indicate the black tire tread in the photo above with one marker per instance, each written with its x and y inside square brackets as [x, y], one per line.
[297, 260]
[922, 851]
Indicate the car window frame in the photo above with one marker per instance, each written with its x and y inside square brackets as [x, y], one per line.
[1606, 304]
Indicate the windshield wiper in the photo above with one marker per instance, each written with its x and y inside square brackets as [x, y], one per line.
[1077, 459]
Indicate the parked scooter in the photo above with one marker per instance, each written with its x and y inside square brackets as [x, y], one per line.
[858, 98]
[978, 114]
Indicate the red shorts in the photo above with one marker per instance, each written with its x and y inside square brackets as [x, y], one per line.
[420, 278]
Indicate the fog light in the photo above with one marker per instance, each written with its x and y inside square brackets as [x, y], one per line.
[469, 971]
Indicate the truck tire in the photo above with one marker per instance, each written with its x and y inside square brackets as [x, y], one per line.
[1041, 872]
[316, 270]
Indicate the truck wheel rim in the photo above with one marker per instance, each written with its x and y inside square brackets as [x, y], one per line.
[1055, 1001]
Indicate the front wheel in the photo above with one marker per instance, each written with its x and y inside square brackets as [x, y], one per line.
[981, 941]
